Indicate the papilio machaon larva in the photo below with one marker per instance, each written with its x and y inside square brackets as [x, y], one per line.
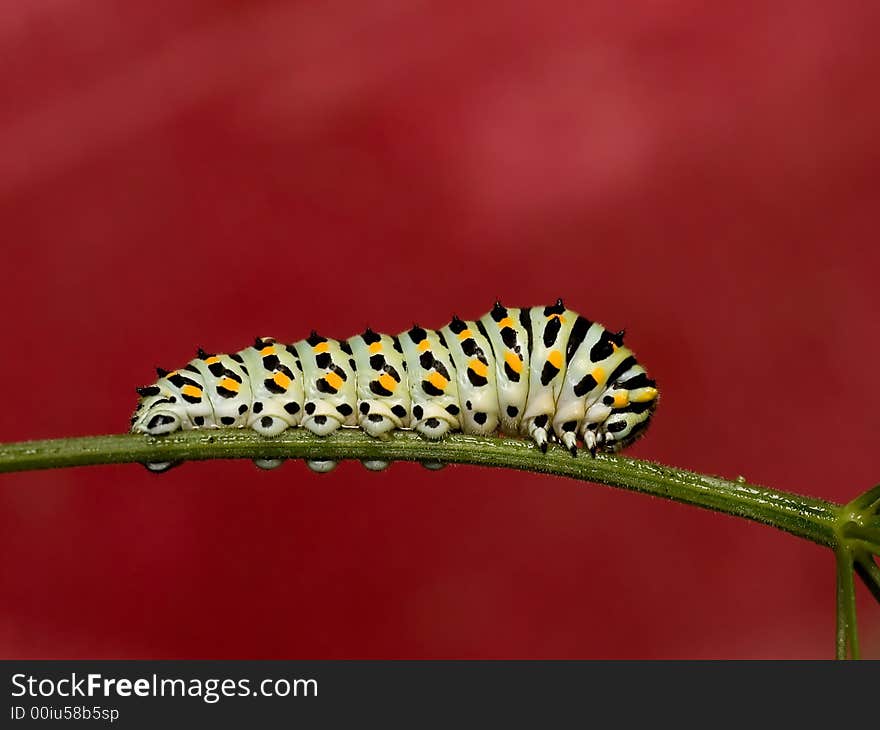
[542, 372]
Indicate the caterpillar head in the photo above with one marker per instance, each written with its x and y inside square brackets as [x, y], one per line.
[157, 413]
[619, 429]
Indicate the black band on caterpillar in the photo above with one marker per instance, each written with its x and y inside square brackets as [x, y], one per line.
[542, 372]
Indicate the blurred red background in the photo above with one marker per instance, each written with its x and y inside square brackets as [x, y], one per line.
[181, 174]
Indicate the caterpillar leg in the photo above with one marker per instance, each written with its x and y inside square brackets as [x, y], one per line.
[269, 426]
[378, 419]
[536, 428]
[322, 425]
[321, 466]
[157, 467]
[377, 425]
[590, 441]
[375, 464]
[268, 463]
[433, 428]
[569, 441]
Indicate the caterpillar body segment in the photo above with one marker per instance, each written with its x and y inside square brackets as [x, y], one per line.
[509, 340]
[433, 387]
[470, 352]
[383, 398]
[550, 328]
[277, 396]
[330, 386]
[546, 373]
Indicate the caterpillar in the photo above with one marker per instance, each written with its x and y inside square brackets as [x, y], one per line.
[545, 373]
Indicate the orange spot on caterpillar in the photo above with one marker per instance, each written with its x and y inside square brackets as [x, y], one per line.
[438, 381]
[333, 380]
[479, 367]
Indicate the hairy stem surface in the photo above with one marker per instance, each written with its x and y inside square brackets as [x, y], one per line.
[813, 519]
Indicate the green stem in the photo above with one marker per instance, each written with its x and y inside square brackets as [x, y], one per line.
[813, 519]
[850, 530]
[870, 535]
[847, 631]
[867, 501]
[869, 573]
